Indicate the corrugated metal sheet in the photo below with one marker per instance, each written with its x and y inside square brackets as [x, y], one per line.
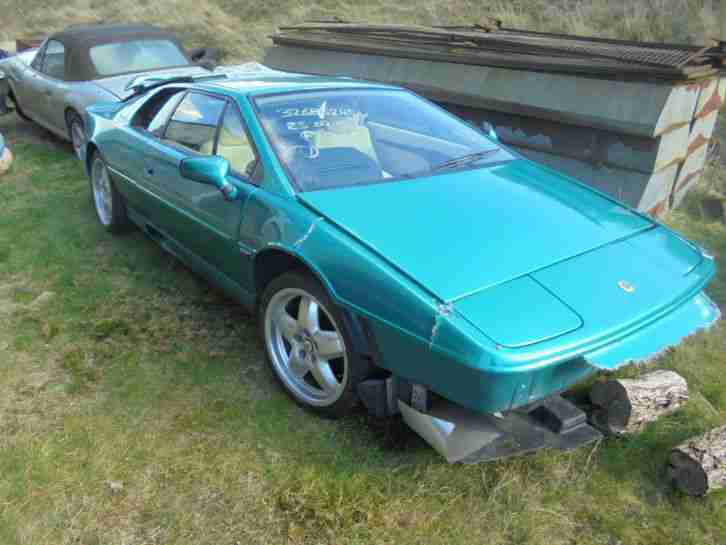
[506, 47]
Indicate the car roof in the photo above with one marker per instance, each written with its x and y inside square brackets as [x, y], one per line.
[266, 81]
[87, 35]
[79, 39]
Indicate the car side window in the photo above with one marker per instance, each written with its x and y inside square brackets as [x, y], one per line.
[153, 115]
[54, 60]
[235, 145]
[194, 123]
[37, 63]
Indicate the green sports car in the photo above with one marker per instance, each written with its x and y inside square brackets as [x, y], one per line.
[394, 254]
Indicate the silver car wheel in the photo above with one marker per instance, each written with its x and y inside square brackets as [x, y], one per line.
[306, 347]
[78, 138]
[102, 197]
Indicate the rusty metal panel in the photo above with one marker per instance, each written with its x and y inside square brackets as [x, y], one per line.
[614, 105]
[711, 98]
[510, 48]
[689, 174]
[609, 148]
[678, 109]
[646, 192]
[639, 141]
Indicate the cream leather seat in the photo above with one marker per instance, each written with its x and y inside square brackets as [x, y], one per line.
[237, 151]
[346, 133]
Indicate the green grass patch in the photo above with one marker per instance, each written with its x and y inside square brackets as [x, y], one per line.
[137, 407]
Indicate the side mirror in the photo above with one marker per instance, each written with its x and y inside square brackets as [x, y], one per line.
[209, 170]
[488, 129]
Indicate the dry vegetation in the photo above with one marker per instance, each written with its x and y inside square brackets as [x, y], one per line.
[241, 27]
[125, 417]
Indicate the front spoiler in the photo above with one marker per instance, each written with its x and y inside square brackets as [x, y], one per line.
[466, 436]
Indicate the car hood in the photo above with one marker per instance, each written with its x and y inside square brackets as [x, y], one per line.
[117, 84]
[460, 233]
[598, 293]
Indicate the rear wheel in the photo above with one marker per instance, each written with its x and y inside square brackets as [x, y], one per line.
[308, 345]
[109, 205]
[77, 132]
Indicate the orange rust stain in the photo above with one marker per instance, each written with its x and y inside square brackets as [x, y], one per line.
[713, 104]
[681, 185]
[696, 143]
[658, 209]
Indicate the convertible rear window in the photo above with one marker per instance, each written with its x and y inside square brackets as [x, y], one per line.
[136, 56]
[331, 139]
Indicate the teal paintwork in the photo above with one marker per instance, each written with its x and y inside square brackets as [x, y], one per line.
[491, 286]
[212, 171]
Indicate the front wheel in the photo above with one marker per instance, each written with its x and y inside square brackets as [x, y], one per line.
[308, 345]
[107, 201]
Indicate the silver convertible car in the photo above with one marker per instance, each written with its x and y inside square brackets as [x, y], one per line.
[83, 65]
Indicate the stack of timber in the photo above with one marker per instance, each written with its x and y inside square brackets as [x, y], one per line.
[632, 119]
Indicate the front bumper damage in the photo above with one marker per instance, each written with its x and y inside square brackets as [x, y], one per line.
[462, 435]
[519, 409]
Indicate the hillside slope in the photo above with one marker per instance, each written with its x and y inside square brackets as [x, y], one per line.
[241, 27]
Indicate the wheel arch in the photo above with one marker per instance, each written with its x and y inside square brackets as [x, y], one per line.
[91, 150]
[274, 261]
[68, 111]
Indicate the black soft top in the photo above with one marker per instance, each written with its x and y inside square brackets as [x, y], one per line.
[78, 40]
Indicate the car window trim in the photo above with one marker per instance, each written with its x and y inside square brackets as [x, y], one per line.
[228, 101]
[291, 178]
[42, 65]
[195, 91]
[168, 119]
[241, 177]
[138, 107]
[231, 103]
[39, 58]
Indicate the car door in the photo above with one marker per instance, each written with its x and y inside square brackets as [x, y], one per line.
[199, 219]
[26, 85]
[51, 85]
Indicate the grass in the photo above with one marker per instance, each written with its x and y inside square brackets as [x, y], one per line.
[241, 27]
[137, 408]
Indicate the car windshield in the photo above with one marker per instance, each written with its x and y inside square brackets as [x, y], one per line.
[332, 139]
[136, 56]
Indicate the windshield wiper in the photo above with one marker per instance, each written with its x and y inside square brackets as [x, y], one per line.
[463, 160]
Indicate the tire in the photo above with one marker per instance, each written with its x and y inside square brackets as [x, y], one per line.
[77, 134]
[304, 356]
[107, 201]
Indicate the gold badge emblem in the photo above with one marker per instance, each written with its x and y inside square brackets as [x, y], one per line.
[626, 286]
